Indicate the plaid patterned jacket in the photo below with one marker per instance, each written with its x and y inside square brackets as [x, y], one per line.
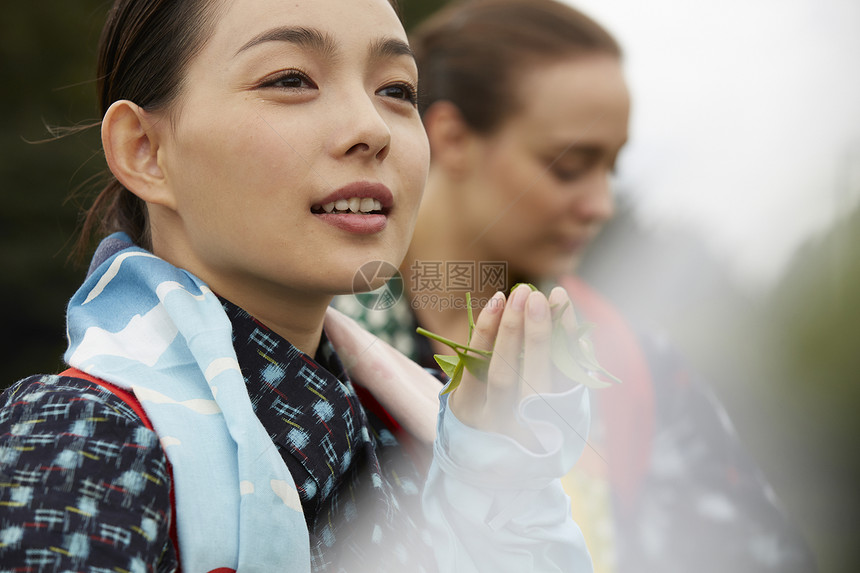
[85, 486]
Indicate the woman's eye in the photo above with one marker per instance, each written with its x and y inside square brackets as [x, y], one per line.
[289, 80]
[402, 91]
[567, 175]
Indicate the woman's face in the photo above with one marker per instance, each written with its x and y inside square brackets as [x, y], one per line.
[540, 189]
[293, 116]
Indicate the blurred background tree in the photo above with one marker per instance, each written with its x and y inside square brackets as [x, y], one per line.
[48, 51]
[413, 11]
[784, 362]
[787, 370]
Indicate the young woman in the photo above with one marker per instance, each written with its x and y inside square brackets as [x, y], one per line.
[262, 151]
[526, 109]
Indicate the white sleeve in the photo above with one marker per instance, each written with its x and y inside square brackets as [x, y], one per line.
[493, 505]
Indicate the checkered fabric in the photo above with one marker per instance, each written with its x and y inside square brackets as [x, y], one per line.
[84, 485]
[359, 492]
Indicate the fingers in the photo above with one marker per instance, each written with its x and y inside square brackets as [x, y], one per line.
[487, 325]
[503, 385]
[520, 334]
[472, 392]
[564, 315]
[537, 360]
[560, 302]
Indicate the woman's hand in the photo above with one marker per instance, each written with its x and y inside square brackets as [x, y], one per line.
[519, 333]
[405, 389]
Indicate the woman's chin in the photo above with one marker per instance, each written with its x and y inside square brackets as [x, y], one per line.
[539, 270]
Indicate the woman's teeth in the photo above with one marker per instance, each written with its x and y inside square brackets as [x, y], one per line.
[353, 205]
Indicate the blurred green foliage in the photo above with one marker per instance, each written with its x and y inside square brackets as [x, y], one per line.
[784, 362]
[413, 12]
[48, 53]
[814, 397]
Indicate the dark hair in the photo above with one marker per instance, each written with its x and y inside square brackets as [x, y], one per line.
[469, 52]
[144, 51]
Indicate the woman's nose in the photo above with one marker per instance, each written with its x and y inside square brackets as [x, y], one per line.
[363, 131]
[596, 203]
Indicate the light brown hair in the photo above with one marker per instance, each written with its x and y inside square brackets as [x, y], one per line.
[471, 52]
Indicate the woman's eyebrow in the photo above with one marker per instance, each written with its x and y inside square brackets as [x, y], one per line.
[304, 37]
[390, 48]
[323, 43]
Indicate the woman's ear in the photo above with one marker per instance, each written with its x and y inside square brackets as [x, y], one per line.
[131, 144]
[452, 141]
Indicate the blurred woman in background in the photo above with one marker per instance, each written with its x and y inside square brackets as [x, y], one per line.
[526, 109]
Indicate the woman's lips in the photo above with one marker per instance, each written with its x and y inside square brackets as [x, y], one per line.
[574, 244]
[347, 220]
[361, 190]
[355, 222]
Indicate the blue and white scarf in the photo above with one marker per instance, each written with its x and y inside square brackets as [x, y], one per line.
[146, 326]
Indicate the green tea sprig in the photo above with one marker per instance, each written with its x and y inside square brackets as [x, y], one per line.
[475, 360]
[572, 354]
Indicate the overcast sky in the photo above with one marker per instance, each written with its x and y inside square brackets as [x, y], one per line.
[746, 121]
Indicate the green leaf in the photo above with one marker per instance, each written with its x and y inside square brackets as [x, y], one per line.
[469, 314]
[478, 366]
[573, 355]
[456, 378]
[447, 363]
[566, 362]
[557, 315]
[586, 356]
[456, 347]
[530, 285]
